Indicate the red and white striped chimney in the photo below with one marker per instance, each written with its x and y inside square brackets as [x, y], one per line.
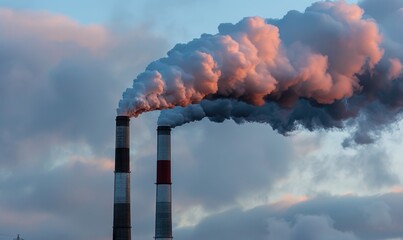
[163, 216]
[121, 206]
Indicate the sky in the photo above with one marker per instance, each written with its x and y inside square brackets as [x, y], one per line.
[63, 68]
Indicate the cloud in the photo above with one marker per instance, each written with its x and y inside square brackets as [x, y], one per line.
[55, 29]
[321, 217]
[381, 10]
[306, 227]
[59, 84]
[370, 166]
[66, 200]
[63, 86]
[208, 171]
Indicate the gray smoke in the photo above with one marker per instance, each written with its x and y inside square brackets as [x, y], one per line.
[332, 66]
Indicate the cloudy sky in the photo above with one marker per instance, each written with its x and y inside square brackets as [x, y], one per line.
[63, 68]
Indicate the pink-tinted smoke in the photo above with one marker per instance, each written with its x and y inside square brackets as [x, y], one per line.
[321, 60]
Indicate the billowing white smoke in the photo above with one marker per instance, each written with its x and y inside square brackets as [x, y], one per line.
[315, 69]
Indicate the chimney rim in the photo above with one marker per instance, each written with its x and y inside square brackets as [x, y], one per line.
[122, 118]
[166, 128]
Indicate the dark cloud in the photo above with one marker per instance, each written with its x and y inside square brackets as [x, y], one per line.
[306, 227]
[376, 217]
[231, 224]
[323, 217]
[381, 10]
[67, 201]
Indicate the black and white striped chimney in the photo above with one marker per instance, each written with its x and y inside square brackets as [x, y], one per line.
[121, 206]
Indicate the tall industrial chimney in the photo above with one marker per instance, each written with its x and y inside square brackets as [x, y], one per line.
[163, 213]
[121, 206]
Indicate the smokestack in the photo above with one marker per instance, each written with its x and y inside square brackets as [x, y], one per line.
[163, 216]
[121, 207]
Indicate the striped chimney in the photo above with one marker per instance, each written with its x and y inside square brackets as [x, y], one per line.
[163, 216]
[121, 206]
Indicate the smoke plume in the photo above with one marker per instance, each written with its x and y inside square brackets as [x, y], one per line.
[332, 66]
